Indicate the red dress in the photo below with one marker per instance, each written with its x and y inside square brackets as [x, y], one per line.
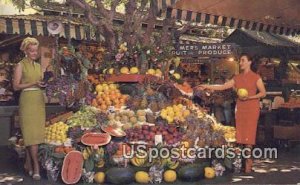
[247, 112]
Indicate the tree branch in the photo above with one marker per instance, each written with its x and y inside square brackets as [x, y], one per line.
[101, 9]
[88, 11]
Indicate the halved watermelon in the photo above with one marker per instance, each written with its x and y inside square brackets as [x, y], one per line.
[116, 132]
[95, 139]
[72, 167]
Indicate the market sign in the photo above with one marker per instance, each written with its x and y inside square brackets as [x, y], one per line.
[205, 50]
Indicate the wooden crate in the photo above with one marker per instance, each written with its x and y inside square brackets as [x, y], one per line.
[62, 117]
[287, 132]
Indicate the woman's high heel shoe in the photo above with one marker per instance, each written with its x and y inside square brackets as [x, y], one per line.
[36, 177]
[27, 171]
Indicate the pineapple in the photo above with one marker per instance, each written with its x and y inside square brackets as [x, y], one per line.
[144, 103]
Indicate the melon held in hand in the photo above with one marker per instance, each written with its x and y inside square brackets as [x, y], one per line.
[242, 93]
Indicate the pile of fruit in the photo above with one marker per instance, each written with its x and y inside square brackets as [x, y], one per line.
[170, 134]
[229, 132]
[63, 89]
[86, 117]
[57, 133]
[155, 72]
[108, 95]
[175, 112]
[127, 118]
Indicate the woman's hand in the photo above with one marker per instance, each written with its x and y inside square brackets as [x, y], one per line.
[244, 98]
[41, 84]
[201, 87]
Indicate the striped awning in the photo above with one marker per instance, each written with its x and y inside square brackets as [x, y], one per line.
[183, 10]
[36, 25]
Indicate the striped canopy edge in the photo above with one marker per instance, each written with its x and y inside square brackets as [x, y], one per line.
[165, 9]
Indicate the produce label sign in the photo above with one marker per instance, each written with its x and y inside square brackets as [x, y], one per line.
[205, 50]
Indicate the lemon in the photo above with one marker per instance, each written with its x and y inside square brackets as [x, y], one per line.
[134, 70]
[124, 70]
[171, 113]
[112, 86]
[170, 119]
[186, 113]
[180, 106]
[111, 71]
[151, 72]
[177, 76]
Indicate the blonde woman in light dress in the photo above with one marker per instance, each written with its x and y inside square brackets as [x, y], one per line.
[28, 77]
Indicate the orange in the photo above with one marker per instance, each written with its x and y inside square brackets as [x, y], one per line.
[108, 103]
[103, 107]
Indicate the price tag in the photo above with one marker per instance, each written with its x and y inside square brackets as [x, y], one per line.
[158, 139]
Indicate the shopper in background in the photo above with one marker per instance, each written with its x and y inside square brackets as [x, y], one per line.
[223, 104]
[247, 108]
[28, 77]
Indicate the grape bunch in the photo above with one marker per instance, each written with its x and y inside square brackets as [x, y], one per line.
[75, 133]
[62, 88]
[86, 117]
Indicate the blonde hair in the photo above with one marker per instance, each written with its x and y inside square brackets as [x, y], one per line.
[28, 41]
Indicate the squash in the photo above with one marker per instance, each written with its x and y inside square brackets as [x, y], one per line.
[209, 172]
[170, 176]
[95, 139]
[72, 167]
[192, 172]
[142, 177]
[120, 175]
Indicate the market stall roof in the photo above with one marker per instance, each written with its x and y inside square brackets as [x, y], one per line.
[275, 16]
[264, 44]
[35, 25]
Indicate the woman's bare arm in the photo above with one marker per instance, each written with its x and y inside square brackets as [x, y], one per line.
[17, 80]
[227, 85]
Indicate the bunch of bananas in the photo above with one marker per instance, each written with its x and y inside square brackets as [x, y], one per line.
[169, 163]
[96, 155]
[136, 161]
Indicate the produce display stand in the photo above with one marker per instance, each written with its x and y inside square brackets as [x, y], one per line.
[108, 125]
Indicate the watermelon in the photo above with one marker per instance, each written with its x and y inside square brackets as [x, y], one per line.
[192, 172]
[120, 175]
[98, 139]
[72, 167]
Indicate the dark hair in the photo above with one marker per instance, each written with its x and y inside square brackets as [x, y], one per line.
[253, 60]
[249, 57]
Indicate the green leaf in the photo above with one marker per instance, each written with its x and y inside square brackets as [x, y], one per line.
[228, 163]
[58, 155]
[89, 165]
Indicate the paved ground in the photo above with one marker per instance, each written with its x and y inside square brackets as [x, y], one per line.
[284, 170]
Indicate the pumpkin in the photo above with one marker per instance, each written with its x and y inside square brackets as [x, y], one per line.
[209, 172]
[72, 167]
[95, 139]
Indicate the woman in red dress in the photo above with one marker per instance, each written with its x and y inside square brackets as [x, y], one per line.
[247, 108]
